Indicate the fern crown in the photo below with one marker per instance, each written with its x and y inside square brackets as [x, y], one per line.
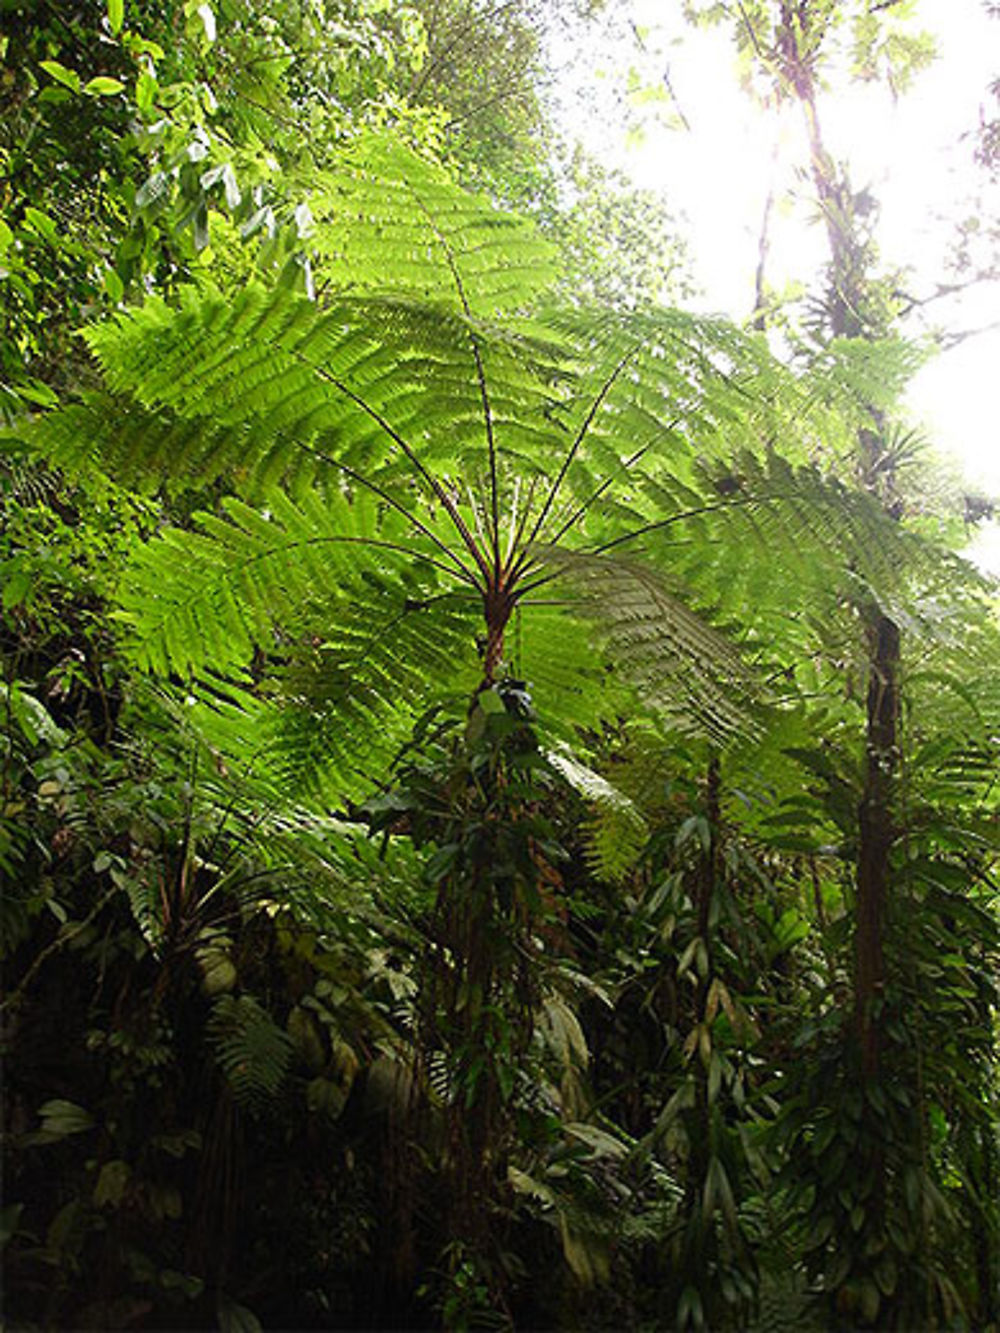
[428, 454]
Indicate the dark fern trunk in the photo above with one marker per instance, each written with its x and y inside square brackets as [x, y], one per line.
[498, 603]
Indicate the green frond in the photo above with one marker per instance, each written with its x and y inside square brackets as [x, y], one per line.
[647, 765]
[616, 832]
[555, 653]
[785, 551]
[270, 389]
[252, 1051]
[349, 702]
[328, 717]
[113, 434]
[250, 578]
[857, 374]
[388, 220]
[684, 668]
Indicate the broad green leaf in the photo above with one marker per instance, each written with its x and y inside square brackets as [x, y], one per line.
[114, 286]
[41, 224]
[490, 702]
[31, 716]
[235, 1318]
[112, 1183]
[16, 588]
[68, 77]
[522, 1183]
[63, 1118]
[231, 186]
[146, 88]
[207, 16]
[102, 86]
[227, 176]
[116, 15]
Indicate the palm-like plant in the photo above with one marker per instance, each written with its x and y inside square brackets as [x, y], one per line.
[429, 479]
[425, 454]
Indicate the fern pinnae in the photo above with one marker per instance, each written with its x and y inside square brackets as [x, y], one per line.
[659, 524]
[673, 651]
[605, 485]
[253, 1052]
[374, 543]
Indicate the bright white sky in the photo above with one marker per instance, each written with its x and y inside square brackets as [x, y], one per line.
[914, 153]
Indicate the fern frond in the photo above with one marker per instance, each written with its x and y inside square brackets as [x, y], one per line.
[388, 220]
[684, 667]
[248, 578]
[350, 701]
[252, 1051]
[616, 832]
[269, 389]
[327, 721]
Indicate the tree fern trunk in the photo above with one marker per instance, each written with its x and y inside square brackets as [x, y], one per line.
[493, 654]
[497, 607]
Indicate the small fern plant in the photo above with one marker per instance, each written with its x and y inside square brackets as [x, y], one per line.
[432, 478]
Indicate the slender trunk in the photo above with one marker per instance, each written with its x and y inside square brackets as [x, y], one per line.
[706, 885]
[493, 655]
[875, 830]
[759, 320]
[759, 316]
[846, 320]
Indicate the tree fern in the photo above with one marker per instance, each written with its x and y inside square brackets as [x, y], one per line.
[419, 450]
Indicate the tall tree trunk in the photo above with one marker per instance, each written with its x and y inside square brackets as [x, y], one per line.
[875, 830]
[845, 313]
